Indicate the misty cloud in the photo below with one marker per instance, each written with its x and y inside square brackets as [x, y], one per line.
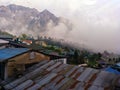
[95, 23]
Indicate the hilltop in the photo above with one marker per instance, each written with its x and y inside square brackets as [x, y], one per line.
[17, 19]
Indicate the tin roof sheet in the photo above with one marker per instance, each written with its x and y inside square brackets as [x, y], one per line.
[68, 77]
[7, 53]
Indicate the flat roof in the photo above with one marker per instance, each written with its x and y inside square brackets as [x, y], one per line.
[3, 41]
[7, 53]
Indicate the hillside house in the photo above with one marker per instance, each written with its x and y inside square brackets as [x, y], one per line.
[3, 43]
[52, 55]
[41, 43]
[27, 42]
[13, 60]
[5, 37]
[8, 43]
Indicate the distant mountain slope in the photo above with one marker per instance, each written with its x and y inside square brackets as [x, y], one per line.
[18, 19]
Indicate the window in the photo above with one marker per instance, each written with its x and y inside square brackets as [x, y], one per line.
[32, 55]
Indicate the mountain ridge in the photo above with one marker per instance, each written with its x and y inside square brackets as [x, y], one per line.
[18, 19]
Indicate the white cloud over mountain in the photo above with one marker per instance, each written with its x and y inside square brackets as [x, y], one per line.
[96, 23]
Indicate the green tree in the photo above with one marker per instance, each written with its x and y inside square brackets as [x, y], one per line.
[76, 56]
[23, 36]
[93, 60]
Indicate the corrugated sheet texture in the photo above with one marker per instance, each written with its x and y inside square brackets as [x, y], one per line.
[7, 53]
[59, 76]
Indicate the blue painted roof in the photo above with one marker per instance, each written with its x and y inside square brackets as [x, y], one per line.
[109, 69]
[7, 53]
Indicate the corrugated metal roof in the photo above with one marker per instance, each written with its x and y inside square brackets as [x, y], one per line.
[59, 76]
[111, 70]
[7, 53]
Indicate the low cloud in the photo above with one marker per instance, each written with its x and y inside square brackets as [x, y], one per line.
[95, 23]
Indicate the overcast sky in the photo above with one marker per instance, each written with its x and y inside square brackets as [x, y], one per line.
[63, 7]
[96, 22]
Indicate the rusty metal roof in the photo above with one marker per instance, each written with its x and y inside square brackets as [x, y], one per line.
[53, 75]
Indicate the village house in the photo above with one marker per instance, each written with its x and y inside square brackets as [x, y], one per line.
[6, 42]
[13, 60]
[3, 43]
[27, 42]
[52, 55]
[110, 58]
[41, 43]
[5, 37]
